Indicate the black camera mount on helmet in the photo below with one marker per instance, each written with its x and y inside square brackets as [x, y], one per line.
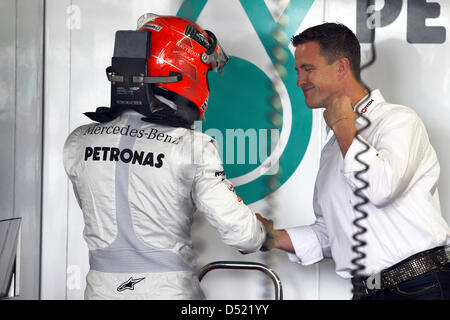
[131, 88]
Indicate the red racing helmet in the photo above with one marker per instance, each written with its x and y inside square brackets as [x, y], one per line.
[179, 46]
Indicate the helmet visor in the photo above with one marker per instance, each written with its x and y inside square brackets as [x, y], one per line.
[219, 59]
[215, 56]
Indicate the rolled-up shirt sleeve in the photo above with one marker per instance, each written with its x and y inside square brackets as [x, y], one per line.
[310, 243]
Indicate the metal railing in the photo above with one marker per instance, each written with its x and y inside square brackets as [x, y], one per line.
[244, 265]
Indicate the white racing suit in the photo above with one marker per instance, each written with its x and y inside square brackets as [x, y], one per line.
[138, 185]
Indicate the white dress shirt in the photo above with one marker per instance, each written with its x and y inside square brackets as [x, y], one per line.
[404, 215]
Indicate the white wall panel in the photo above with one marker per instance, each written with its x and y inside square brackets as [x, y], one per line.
[7, 105]
[57, 124]
[21, 64]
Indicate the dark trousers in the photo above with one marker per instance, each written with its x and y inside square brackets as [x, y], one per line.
[432, 285]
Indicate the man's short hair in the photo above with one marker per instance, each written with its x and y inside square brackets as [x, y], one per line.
[336, 41]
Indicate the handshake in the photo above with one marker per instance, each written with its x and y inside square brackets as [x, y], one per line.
[275, 238]
[271, 234]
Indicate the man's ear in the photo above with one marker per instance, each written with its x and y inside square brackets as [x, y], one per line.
[343, 67]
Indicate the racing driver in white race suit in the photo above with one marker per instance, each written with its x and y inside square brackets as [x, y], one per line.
[140, 171]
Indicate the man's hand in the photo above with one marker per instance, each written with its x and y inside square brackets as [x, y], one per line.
[269, 242]
[275, 238]
[268, 224]
[340, 117]
[340, 110]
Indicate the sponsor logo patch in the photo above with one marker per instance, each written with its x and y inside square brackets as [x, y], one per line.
[197, 36]
[129, 284]
[152, 27]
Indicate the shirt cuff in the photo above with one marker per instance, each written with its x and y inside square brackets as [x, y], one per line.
[350, 162]
[306, 245]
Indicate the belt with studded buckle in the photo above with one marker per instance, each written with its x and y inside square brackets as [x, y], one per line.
[411, 267]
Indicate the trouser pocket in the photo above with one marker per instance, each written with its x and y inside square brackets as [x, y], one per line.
[425, 286]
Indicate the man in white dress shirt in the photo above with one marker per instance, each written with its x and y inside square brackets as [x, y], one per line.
[407, 255]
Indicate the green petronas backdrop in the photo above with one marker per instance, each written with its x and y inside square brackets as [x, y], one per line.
[241, 100]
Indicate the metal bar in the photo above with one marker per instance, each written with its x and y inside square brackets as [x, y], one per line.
[246, 266]
[9, 255]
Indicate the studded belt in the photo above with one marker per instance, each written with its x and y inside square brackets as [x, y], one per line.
[411, 267]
